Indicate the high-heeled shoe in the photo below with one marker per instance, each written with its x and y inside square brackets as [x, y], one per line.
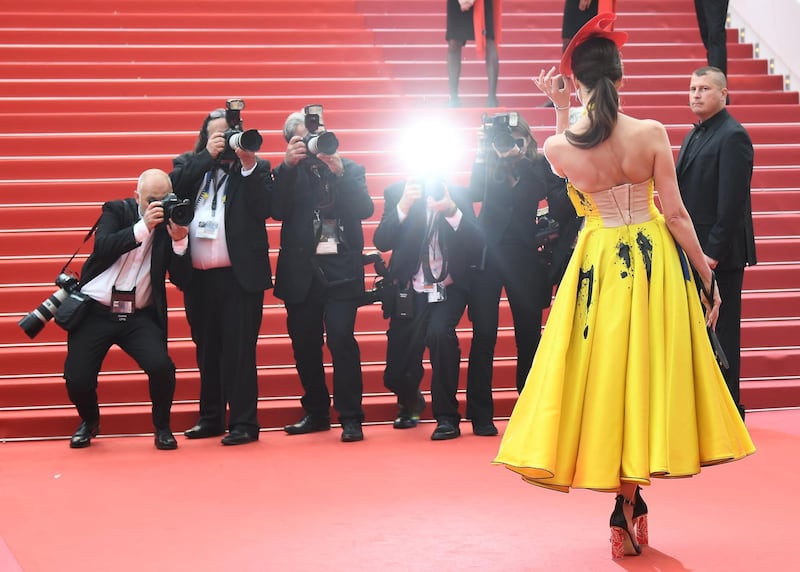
[623, 541]
[640, 519]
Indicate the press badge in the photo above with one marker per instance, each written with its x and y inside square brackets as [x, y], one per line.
[328, 236]
[123, 303]
[207, 229]
[436, 292]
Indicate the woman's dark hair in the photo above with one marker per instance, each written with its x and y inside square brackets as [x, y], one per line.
[597, 65]
[202, 138]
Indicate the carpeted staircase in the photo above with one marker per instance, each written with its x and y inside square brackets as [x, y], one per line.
[95, 91]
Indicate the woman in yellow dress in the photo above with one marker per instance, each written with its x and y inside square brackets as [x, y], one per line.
[624, 386]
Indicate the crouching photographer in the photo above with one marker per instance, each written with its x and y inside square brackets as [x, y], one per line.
[321, 199]
[529, 225]
[432, 233]
[136, 244]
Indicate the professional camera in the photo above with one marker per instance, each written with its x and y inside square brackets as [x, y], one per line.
[498, 130]
[316, 143]
[36, 319]
[434, 187]
[235, 136]
[376, 294]
[179, 212]
[547, 230]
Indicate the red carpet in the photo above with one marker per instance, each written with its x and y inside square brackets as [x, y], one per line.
[397, 501]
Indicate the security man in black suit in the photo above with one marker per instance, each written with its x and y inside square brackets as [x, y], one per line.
[124, 276]
[322, 199]
[434, 238]
[231, 190]
[714, 169]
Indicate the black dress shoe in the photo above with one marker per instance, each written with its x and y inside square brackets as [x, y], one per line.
[408, 417]
[239, 437]
[484, 428]
[351, 431]
[164, 440]
[201, 431]
[446, 429]
[309, 424]
[83, 436]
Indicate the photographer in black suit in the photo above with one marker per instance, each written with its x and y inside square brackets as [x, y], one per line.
[529, 225]
[434, 239]
[231, 190]
[322, 198]
[714, 169]
[124, 277]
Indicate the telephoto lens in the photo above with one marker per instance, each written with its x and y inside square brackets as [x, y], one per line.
[325, 142]
[249, 140]
[33, 322]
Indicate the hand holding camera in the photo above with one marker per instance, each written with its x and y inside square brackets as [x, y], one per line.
[411, 192]
[216, 144]
[153, 215]
[295, 152]
[247, 158]
[445, 205]
[334, 163]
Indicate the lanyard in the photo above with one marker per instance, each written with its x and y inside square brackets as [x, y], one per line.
[217, 185]
[429, 250]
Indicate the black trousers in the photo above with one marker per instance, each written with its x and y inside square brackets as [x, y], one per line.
[729, 326]
[529, 291]
[711, 16]
[433, 326]
[225, 320]
[307, 323]
[140, 337]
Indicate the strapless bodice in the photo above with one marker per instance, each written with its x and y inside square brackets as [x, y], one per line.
[618, 206]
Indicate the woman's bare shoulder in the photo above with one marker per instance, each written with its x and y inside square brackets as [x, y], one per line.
[645, 125]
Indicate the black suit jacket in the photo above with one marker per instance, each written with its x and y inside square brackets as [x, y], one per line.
[464, 246]
[714, 179]
[114, 237]
[298, 195]
[247, 206]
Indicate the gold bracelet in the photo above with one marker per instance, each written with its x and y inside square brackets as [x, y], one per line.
[560, 108]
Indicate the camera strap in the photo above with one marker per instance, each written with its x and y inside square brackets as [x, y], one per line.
[85, 240]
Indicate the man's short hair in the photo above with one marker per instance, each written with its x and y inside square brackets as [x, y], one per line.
[290, 127]
[717, 74]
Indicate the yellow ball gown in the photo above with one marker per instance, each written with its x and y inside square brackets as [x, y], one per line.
[624, 385]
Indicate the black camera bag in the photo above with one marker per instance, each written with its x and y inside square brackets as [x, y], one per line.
[72, 310]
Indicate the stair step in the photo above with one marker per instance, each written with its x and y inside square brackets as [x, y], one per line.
[772, 139]
[275, 413]
[26, 359]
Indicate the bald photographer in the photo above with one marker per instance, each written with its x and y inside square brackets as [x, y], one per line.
[135, 244]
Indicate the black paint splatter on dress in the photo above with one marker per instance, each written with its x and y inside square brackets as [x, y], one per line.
[588, 276]
[624, 254]
[646, 248]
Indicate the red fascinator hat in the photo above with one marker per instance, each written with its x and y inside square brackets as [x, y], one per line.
[601, 26]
